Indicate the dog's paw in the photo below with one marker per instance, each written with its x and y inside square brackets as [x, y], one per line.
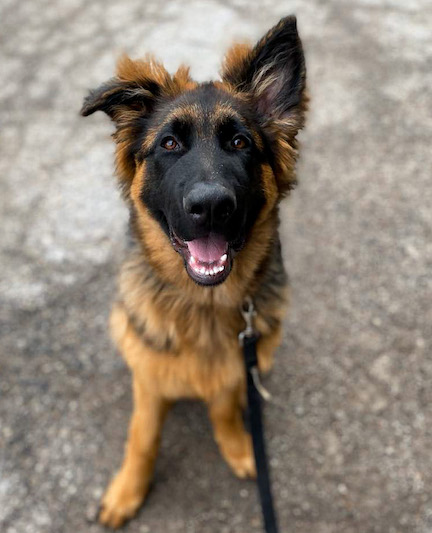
[120, 502]
[243, 467]
[237, 451]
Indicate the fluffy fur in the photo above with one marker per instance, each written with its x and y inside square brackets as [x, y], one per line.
[180, 338]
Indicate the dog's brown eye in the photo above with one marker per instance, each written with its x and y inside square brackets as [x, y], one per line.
[239, 142]
[169, 143]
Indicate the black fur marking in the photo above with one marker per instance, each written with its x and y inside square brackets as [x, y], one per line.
[205, 156]
[148, 281]
[156, 343]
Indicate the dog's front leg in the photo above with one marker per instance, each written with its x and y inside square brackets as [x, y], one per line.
[234, 442]
[129, 487]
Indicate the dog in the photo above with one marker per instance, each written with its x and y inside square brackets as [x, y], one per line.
[202, 168]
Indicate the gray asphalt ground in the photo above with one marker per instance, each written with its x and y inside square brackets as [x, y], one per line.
[351, 436]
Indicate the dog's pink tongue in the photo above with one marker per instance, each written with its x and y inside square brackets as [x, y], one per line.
[208, 249]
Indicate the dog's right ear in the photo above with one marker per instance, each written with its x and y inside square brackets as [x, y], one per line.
[116, 96]
[136, 87]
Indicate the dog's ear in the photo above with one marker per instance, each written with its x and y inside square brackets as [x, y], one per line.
[116, 96]
[273, 75]
[273, 71]
[129, 99]
[136, 87]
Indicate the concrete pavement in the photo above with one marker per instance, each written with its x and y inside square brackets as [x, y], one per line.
[351, 437]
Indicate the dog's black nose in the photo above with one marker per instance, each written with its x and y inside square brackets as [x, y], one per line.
[209, 203]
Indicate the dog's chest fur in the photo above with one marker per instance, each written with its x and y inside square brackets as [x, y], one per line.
[189, 346]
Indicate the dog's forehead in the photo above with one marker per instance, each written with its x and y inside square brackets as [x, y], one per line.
[204, 107]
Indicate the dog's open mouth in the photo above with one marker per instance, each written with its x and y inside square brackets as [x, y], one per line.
[208, 260]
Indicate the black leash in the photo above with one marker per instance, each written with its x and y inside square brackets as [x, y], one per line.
[248, 340]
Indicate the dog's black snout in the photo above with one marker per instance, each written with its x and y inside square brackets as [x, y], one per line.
[209, 203]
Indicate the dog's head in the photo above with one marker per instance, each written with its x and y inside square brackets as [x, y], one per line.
[205, 163]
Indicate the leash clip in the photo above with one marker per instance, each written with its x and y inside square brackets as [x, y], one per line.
[248, 312]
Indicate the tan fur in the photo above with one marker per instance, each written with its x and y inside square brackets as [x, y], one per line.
[235, 57]
[140, 71]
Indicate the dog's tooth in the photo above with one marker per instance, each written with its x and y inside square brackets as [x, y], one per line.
[192, 259]
[202, 270]
[224, 257]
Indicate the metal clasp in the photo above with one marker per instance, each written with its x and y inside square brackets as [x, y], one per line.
[248, 312]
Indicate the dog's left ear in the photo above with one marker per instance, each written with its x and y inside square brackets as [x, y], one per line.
[273, 75]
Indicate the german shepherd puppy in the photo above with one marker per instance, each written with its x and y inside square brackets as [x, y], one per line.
[202, 168]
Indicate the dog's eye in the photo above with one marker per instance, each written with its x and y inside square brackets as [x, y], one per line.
[169, 143]
[239, 142]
